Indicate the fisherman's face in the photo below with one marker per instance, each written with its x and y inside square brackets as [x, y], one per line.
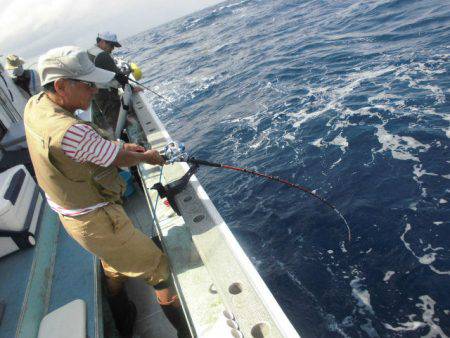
[77, 94]
[107, 46]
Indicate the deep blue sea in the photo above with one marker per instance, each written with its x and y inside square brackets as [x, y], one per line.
[350, 98]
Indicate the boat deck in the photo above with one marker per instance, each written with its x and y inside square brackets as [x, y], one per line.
[38, 280]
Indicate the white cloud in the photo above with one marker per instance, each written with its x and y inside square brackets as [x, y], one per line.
[30, 27]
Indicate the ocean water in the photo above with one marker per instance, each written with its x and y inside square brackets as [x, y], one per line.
[350, 98]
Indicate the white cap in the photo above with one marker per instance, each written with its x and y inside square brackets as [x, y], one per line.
[110, 37]
[70, 62]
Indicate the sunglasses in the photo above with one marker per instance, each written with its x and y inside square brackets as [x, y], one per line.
[89, 84]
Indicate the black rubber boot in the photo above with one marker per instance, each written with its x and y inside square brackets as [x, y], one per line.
[176, 317]
[124, 313]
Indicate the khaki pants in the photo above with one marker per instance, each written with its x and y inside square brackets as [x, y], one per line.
[123, 250]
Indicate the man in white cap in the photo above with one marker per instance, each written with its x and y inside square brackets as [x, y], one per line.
[25, 79]
[76, 166]
[107, 100]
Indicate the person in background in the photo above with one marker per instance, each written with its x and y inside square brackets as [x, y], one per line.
[25, 79]
[107, 101]
[77, 167]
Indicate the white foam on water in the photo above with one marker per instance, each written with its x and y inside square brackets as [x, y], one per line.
[419, 172]
[407, 326]
[305, 116]
[331, 97]
[428, 317]
[250, 119]
[388, 275]
[361, 295]
[445, 116]
[438, 223]
[289, 137]
[366, 111]
[264, 136]
[424, 79]
[371, 74]
[336, 163]
[424, 192]
[429, 247]
[399, 146]
[382, 105]
[422, 68]
[318, 143]
[437, 91]
[429, 320]
[185, 89]
[426, 259]
[341, 142]
[341, 124]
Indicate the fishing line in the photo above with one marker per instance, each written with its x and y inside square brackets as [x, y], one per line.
[155, 93]
[193, 160]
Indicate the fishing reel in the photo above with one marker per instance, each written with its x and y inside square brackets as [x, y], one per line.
[175, 152]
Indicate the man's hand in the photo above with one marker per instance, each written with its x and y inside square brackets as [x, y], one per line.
[153, 157]
[132, 154]
[133, 147]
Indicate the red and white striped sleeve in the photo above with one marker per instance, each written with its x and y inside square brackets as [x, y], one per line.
[83, 144]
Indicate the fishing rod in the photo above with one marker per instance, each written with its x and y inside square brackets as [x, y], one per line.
[174, 152]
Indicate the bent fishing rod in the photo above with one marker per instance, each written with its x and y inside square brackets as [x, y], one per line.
[174, 152]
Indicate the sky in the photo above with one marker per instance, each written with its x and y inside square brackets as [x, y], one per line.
[29, 28]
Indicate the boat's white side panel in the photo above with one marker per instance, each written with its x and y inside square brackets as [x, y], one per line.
[242, 291]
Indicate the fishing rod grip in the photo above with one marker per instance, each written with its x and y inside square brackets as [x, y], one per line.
[193, 160]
